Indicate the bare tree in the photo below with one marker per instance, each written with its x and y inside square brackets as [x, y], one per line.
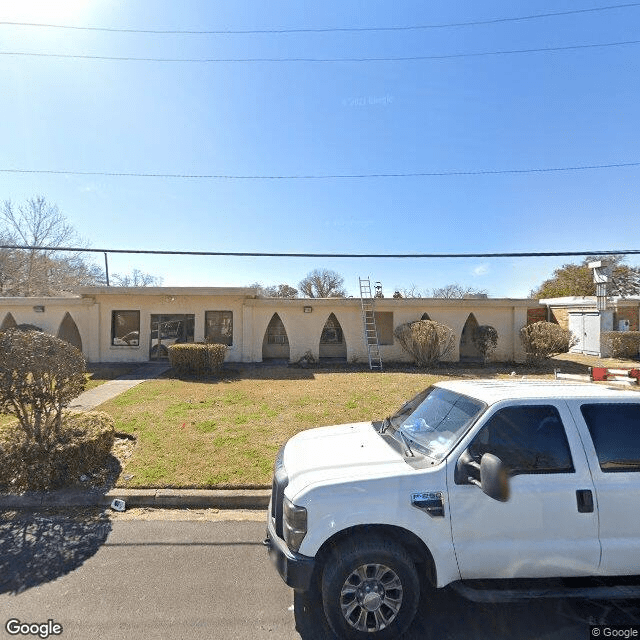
[457, 291]
[136, 278]
[276, 290]
[40, 271]
[408, 292]
[322, 283]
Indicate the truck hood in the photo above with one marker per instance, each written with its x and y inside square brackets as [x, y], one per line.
[343, 452]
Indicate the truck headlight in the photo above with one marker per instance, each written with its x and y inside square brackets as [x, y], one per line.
[294, 525]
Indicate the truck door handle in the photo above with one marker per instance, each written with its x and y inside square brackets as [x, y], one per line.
[585, 500]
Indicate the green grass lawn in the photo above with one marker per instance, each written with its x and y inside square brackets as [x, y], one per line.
[225, 433]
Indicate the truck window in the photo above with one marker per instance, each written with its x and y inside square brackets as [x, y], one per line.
[436, 419]
[528, 439]
[615, 431]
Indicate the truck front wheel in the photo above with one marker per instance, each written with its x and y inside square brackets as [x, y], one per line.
[370, 589]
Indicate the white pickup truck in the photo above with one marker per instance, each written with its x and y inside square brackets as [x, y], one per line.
[502, 489]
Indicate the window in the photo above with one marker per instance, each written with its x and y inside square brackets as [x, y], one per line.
[125, 328]
[384, 325]
[332, 332]
[276, 333]
[219, 327]
[436, 419]
[615, 431]
[528, 439]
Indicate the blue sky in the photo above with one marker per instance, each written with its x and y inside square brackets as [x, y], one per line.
[496, 112]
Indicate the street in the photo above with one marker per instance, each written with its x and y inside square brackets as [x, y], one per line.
[102, 576]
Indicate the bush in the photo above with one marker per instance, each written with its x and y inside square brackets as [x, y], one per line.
[197, 358]
[541, 340]
[485, 337]
[427, 341]
[622, 344]
[39, 376]
[27, 327]
[82, 446]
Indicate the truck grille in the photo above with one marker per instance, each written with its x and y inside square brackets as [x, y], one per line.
[280, 481]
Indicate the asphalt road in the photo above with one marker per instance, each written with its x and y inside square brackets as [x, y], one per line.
[102, 577]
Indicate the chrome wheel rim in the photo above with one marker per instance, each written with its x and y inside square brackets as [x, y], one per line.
[370, 597]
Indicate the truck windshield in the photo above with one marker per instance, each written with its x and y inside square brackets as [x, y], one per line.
[436, 419]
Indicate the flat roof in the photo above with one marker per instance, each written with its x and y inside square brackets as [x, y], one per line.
[492, 391]
[163, 291]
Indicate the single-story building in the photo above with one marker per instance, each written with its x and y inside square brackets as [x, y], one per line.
[581, 315]
[137, 324]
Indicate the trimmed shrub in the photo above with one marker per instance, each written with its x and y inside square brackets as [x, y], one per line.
[427, 341]
[485, 337]
[197, 358]
[541, 340]
[39, 376]
[82, 446]
[622, 344]
[27, 327]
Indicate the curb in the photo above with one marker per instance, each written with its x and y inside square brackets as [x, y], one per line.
[184, 498]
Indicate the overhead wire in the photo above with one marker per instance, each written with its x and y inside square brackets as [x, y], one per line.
[265, 254]
[417, 27]
[447, 56]
[409, 174]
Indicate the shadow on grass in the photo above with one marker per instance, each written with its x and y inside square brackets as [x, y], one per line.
[282, 370]
[36, 548]
[254, 371]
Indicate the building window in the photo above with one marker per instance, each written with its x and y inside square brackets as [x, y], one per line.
[125, 328]
[219, 327]
[276, 333]
[332, 332]
[384, 325]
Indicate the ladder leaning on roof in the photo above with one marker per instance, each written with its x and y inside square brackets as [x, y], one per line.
[369, 325]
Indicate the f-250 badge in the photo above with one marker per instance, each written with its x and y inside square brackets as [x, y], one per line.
[431, 502]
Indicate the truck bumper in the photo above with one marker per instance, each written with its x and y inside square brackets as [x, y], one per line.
[294, 568]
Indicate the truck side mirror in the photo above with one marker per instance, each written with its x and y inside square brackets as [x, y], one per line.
[463, 470]
[494, 477]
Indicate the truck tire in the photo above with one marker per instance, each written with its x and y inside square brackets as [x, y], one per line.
[370, 589]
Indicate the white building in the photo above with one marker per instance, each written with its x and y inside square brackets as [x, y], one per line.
[121, 324]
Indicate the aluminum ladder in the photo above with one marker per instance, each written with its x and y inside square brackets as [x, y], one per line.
[369, 325]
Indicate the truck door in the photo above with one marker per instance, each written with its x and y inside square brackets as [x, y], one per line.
[549, 525]
[614, 446]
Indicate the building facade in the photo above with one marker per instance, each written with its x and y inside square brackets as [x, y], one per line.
[580, 314]
[138, 324]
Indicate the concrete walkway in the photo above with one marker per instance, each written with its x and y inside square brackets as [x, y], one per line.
[93, 397]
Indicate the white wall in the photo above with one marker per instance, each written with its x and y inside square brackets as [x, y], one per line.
[93, 316]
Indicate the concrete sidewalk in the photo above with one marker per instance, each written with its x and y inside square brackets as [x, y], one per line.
[90, 399]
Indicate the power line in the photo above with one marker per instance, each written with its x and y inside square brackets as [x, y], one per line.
[447, 56]
[448, 25]
[411, 174]
[529, 254]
